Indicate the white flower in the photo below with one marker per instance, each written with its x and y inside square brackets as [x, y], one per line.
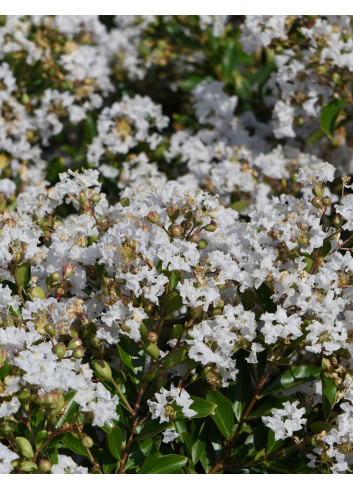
[284, 422]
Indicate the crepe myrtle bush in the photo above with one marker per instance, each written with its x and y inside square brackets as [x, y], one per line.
[176, 264]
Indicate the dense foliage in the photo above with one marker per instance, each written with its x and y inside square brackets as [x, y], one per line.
[176, 219]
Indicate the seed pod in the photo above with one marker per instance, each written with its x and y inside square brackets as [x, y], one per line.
[103, 369]
[327, 201]
[318, 190]
[50, 330]
[24, 447]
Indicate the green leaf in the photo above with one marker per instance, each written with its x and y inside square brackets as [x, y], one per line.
[23, 274]
[264, 293]
[315, 136]
[173, 280]
[167, 464]
[329, 391]
[319, 426]
[173, 358]
[265, 408]
[133, 358]
[329, 115]
[56, 166]
[326, 249]
[292, 377]
[74, 443]
[240, 391]
[203, 407]
[152, 428]
[5, 370]
[177, 331]
[41, 438]
[240, 205]
[70, 411]
[172, 302]
[115, 440]
[197, 450]
[272, 444]
[223, 415]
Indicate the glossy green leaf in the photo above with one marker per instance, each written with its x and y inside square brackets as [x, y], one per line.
[240, 205]
[74, 443]
[223, 415]
[115, 440]
[167, 464]
[329, 115]
[197, 450]
[240, 391]
[173, 358]
[292, 377]
[319, 426]
[204, 408]
[265, 407]
[153, 428]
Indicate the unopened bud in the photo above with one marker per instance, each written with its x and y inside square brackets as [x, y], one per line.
[60, 291]
[55, 277]
[28, 466]
[49, 329]
[327, 201]
[173, 212]
[44, 466]
[202, 244]
[318, 190]
[82, 197]
[96, 198]
[60, 350]
[211, 227]
[78, 353]
[153, 217]
[24, 447]
[75, 343]
[103, 369]
[337, 221]
[175, 231]
[152, 337]
[125, 202]
[317, 202]
[87, 441]
[68, 271]
[37, 292]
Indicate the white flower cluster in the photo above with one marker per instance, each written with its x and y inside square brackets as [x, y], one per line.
[284, 422]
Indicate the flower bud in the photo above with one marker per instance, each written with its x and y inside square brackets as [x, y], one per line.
[44, 466]
[170, 412]
[103, 369]
[78, 353]
[96, 198]
[317, 202]
[28, 466]
[152, 350]
[24, 447]
[37, 292]
[318, 190]
[152, 337]
[82, 198]
[87, 441]
[175, 230]
[55, 277]
[23, 395]
[103, 221]
[153, 217]
[337, 221]
[202, 244]
[327, 201]
[59, 291]
[50, 330]
[75, 343]
[60, 350]
[173, 212]
[211, 227]
[68, 271]
[125, 201]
